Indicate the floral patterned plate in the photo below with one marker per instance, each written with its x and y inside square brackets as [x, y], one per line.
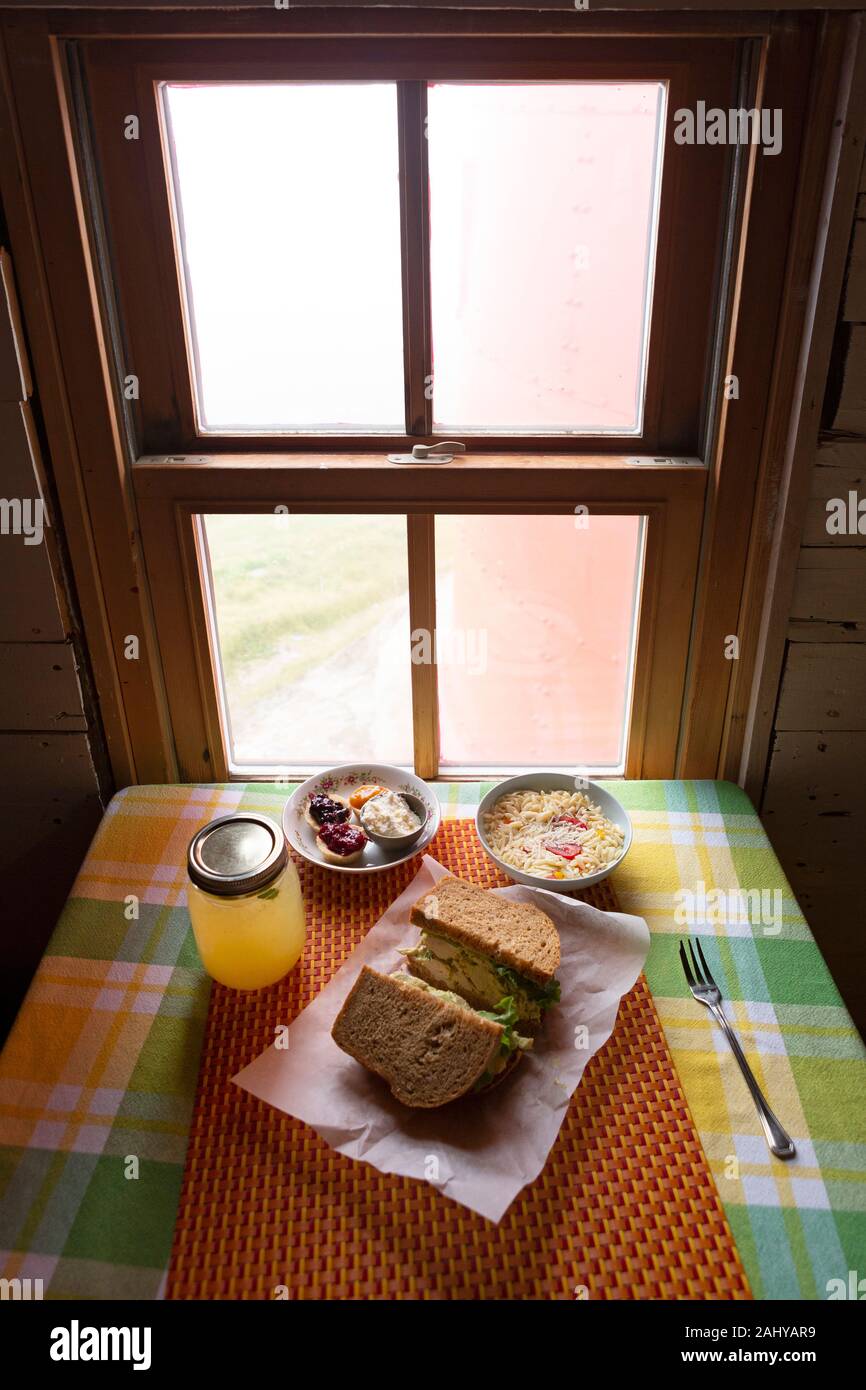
[344, 780]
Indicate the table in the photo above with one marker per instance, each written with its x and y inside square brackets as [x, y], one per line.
[98, 1076]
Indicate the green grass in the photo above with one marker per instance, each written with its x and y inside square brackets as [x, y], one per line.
[293, 591]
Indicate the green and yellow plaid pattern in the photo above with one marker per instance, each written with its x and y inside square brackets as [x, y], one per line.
[98, 1076]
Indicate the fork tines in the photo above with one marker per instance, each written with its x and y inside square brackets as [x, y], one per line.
[697, 973]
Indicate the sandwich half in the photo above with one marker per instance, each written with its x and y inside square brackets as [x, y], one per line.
[484, 948]
[428, 1044]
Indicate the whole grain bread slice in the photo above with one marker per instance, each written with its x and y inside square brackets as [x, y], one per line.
[515, 934]
[429, 1050]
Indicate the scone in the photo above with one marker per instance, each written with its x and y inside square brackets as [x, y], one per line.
[339, 843]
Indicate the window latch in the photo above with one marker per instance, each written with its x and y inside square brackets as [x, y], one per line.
[443, 452]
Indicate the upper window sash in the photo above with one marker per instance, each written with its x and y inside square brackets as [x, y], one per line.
[127, 79]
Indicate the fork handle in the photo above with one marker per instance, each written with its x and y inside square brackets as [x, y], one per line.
[779, 1140]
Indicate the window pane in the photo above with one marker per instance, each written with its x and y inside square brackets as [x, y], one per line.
[543, 211]
[535, 618]
[288, 205]
[312, 625]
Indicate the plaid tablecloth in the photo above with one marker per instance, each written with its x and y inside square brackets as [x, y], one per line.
[98, 1076]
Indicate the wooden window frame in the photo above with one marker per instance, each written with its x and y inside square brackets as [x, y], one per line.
[113, 494]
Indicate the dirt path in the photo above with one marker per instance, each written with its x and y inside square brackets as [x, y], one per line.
[355, 706]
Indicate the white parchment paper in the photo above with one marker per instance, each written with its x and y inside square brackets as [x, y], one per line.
[482, 1150]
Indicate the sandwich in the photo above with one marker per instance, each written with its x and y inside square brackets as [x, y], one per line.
[485, 948]
[430, 1045]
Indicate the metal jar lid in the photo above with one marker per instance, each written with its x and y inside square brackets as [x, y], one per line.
[237, 854]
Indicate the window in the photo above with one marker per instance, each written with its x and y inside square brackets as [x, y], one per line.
[294, 317]
[543, 213]
[534, 660]
[543, 202]
[311, 616]
[331, 250]
[536, 617]
[319, 252]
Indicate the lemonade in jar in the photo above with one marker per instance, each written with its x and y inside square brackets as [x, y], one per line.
[245, 901]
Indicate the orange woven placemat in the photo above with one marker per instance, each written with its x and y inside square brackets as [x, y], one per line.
[625, 1207]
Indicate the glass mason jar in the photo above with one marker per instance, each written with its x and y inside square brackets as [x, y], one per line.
[245, 901]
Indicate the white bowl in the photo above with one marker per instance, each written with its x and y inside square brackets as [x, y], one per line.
[408, 838]
[552, 782]
[344, 780]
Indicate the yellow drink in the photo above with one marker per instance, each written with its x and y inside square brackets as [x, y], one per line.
[245, 902]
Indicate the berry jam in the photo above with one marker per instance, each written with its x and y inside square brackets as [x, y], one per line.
[326, 811]
[342, 839]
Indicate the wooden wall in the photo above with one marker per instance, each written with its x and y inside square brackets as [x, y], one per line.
[814, 803]
[50, 800]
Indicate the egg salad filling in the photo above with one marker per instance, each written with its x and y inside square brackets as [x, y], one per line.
[454, 966]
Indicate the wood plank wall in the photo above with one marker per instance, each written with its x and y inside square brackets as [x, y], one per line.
[50, 800]
[814, 803]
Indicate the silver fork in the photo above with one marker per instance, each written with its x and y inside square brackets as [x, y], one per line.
[705, 989]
